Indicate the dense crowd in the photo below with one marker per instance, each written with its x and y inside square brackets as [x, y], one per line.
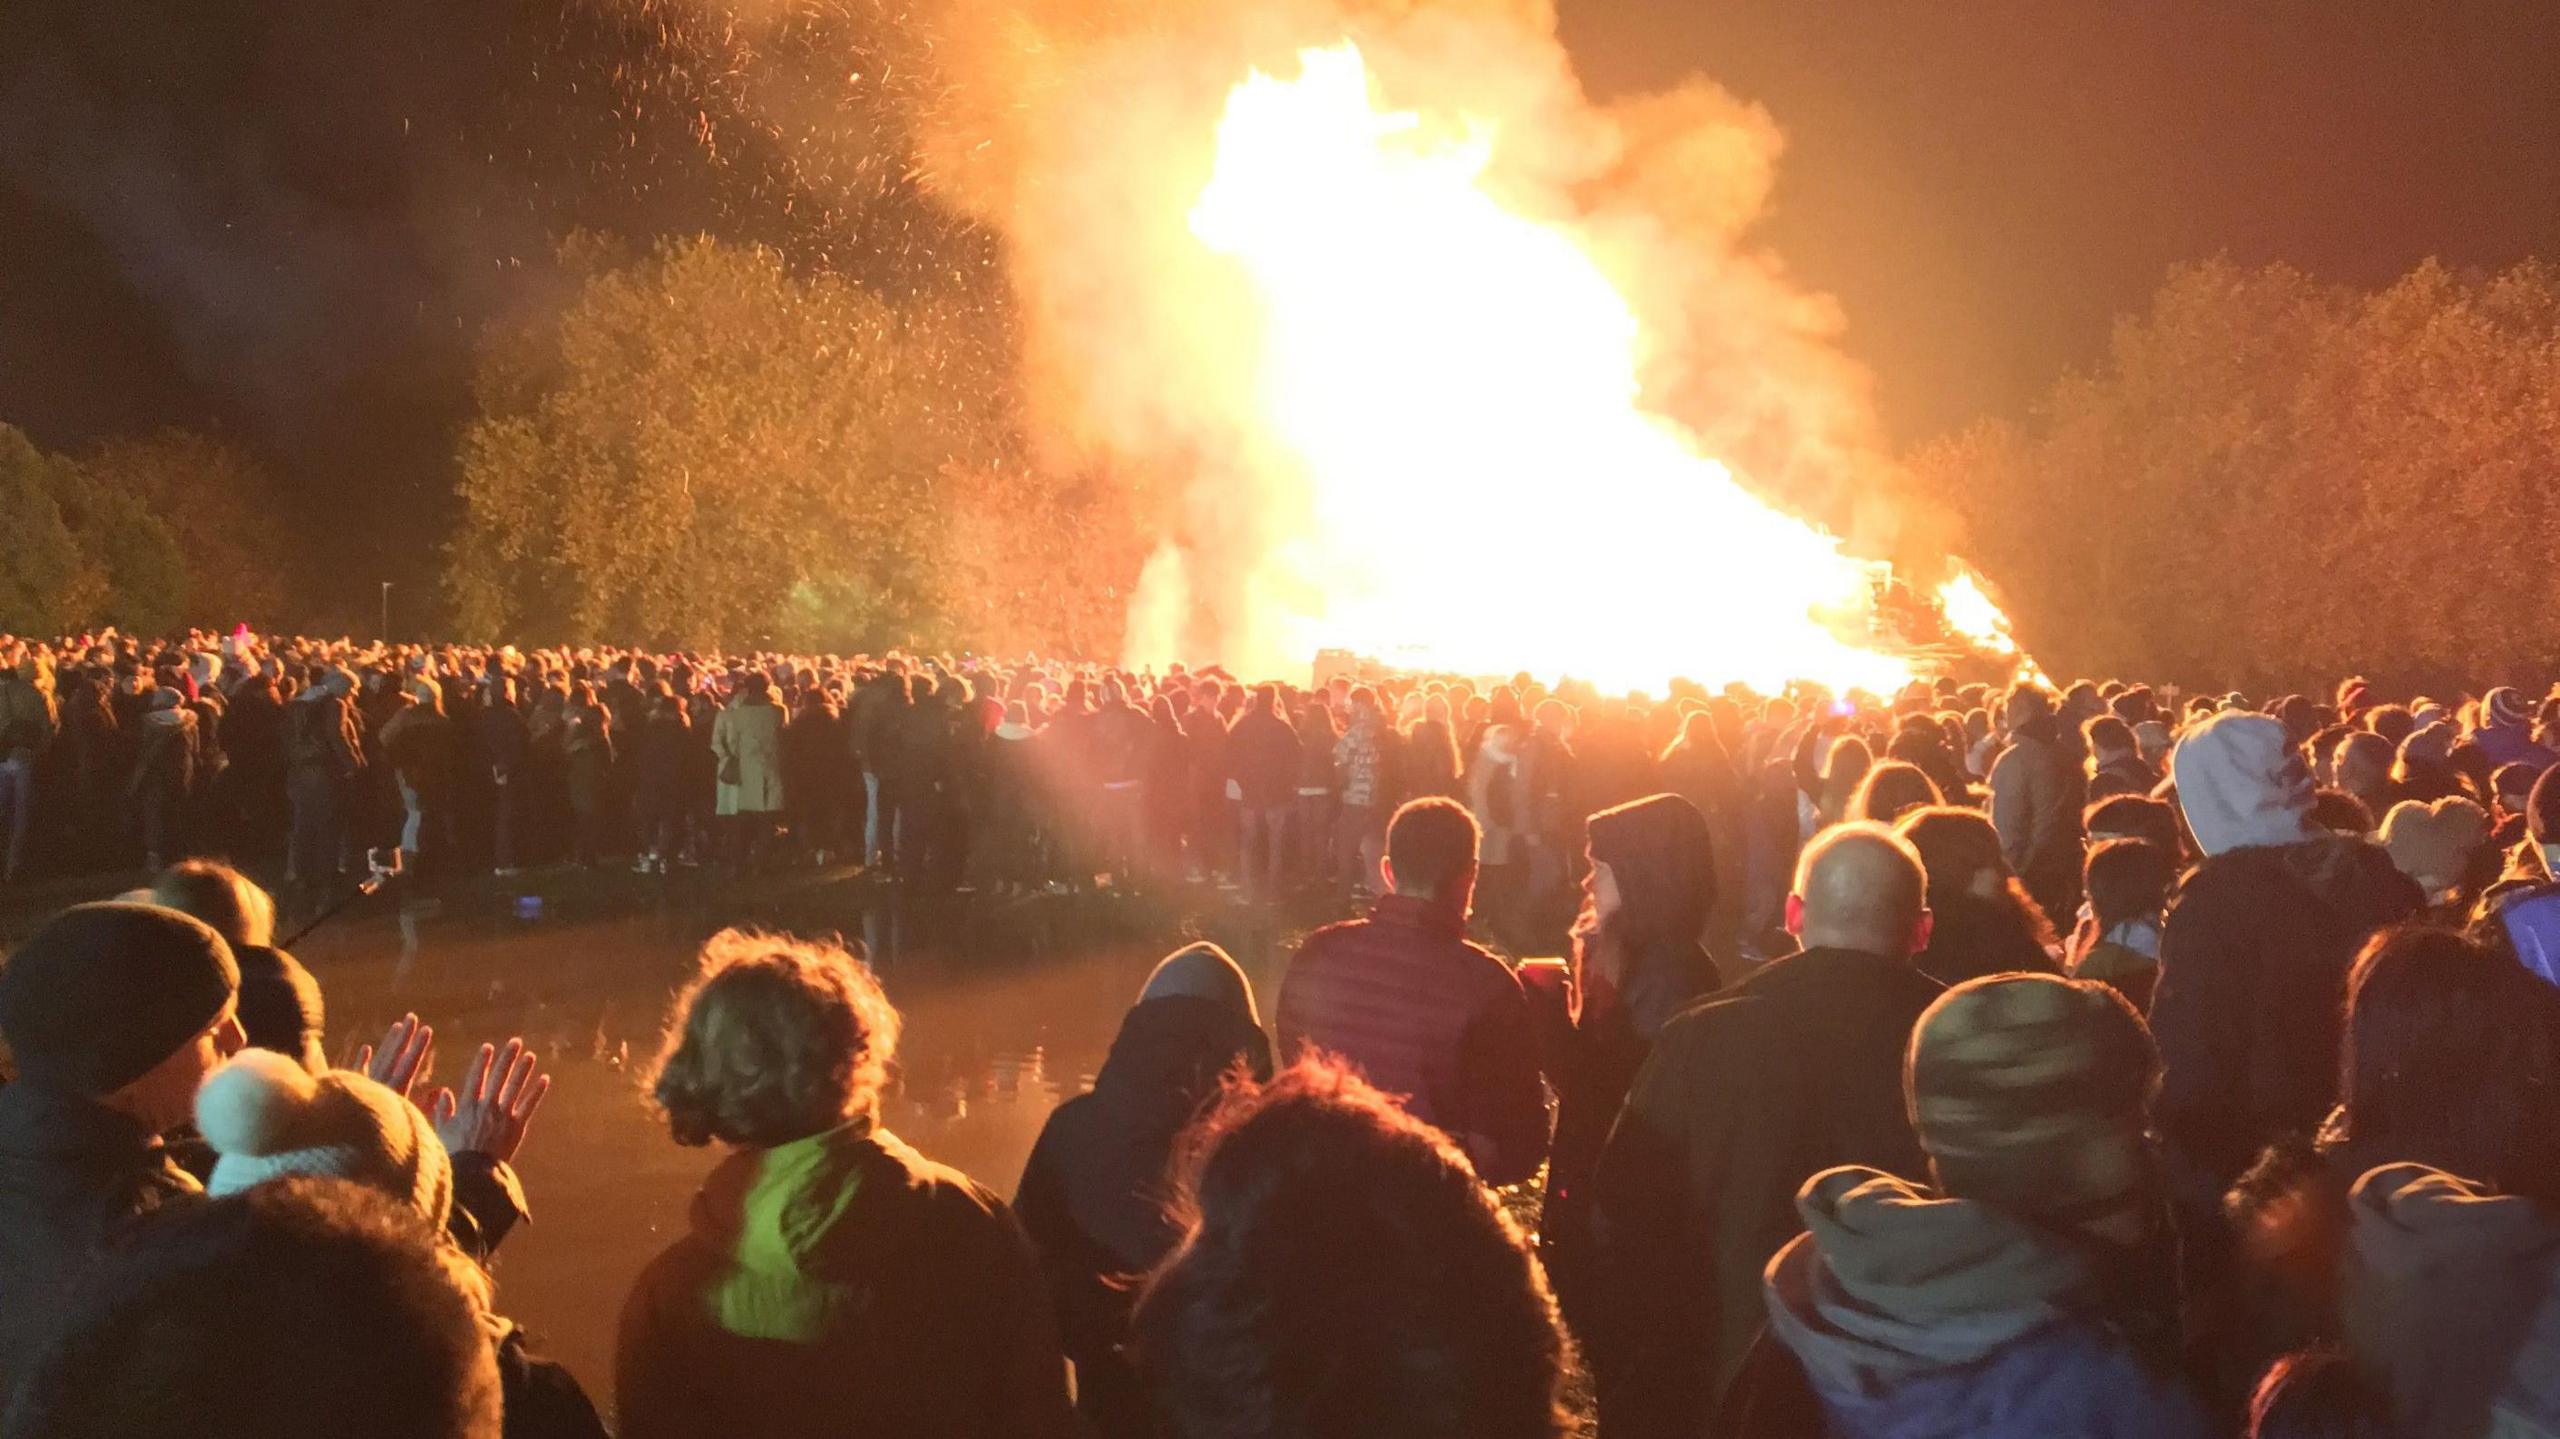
[1956, 1062]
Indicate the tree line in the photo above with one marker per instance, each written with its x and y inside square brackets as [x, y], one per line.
[2269, 479]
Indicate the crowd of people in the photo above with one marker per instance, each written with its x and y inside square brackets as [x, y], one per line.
[1964, 1061]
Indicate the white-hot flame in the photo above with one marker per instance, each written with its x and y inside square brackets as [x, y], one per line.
[1971, 613]
[1454, 384]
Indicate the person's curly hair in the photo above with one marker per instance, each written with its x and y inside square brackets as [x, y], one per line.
[775, 1039]
[1344, 1275]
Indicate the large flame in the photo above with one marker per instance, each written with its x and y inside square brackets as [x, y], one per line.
[1455, 385]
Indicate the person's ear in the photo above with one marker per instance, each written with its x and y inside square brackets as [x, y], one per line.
[1920, 931]
[1795, 915]
[1387, 873]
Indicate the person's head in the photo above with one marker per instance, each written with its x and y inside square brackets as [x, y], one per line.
[1202, 971]
[307, 1306]
[1960, 850]
[1891, 790]
[776, 1039]
[2436, 844]
[2242, 783]
[2505, 708]
[2392, 722]
[129, 1005]
[2028, 1092]
[2339, 812]
[2542, 817]
[2133, 816]
[2109, 739]
[1431, 852]
[2320, 1393]
[241, 912]
[2025, 703]
[2361, 764]
[265, 1117]
[2127, 881]
[1652, 875]
[1344, 1275]
[2451, 1056]
[1860, 886]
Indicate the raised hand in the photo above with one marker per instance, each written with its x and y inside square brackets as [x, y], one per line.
[499, 1096]
[407, 1054]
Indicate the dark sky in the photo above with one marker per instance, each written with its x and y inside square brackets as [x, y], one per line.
[285, 220]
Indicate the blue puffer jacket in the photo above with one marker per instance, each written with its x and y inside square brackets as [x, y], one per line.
[1920, 1317]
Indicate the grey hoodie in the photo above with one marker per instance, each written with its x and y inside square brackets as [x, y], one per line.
[2451, 1297]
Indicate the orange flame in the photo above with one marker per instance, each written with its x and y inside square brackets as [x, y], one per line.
[1454, 384]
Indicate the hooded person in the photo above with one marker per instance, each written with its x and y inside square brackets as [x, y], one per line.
[267, 1118]
[2450, 1299]
[2254, 955]
[2505, 734]
[1097, 1195]
[1638, 963]
[2025, 1288]
[113, 1013]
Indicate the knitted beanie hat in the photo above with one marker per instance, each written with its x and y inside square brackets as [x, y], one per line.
[267, 1117]
[2504, 707]
[280, 1006]
[2027, 1091]
[102, 993]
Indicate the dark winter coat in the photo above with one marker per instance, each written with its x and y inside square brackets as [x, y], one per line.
[2037, 795]
[1096, 1195]
[836, 1284]
[422, 747]
[2253, 970]
[323, 736]
[1429, 1016]
[1793, 1070]
[1262, 759]
[72, 1174]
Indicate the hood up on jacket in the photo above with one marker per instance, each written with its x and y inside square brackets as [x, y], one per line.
[2243, 784]
[1662, 856]
[2451, 1296]
[1916, 1316]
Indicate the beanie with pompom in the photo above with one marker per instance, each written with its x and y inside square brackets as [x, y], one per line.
[267, 1117]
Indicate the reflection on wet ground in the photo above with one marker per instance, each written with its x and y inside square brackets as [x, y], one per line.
[1009, 1005]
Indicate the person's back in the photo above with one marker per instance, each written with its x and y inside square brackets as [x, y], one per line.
[831, 1278]
[111, 1012]
[1423, 1013]
[2038, 791]
[1793, 1070]
[2254, 955]
[840, 1282]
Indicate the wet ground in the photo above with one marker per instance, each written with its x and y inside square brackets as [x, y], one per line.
[1010, 1004]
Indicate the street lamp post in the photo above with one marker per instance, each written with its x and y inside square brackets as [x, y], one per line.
[386, 612]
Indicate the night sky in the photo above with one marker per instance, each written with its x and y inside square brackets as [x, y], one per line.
[286, 221]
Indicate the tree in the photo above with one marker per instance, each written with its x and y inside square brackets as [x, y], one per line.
[77, 551]
[45, 582]
[2271, 482]
[703, 448]
[222, 510]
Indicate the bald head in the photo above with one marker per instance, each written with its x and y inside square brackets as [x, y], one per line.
[1860, 886]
